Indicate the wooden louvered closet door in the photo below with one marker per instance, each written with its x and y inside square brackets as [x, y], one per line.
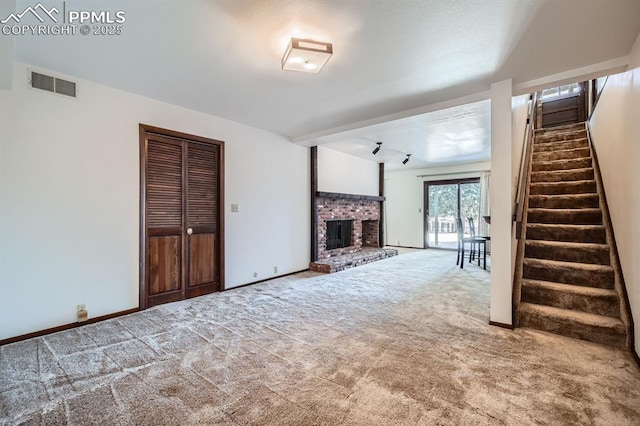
[181, 244]
[201, 208]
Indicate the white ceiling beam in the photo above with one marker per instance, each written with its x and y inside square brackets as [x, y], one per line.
[589, 72]
[313, 139]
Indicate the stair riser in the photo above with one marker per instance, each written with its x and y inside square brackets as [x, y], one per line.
[555, 188]
[599, 305]
[579, 217]
[561, 137]
[560, 146]
[574, 163]
[568, 275]
[584, 202]
[562, 176]
[593, 256]
[607, 336]
[566, 234]
[561, 155]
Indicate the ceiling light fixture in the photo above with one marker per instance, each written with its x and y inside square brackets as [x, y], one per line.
[306, 55]
[375, 151]
[406, 160]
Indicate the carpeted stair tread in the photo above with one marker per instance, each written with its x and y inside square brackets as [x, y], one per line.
[560, 137]
[568, 233]
[560, 129]
[564, 201]
[591, 216]
[573, 127]
[593, 300]
[564, 164]
[568, 252]
[542, 147]
[563, 175]
[585, 274]
[581, 325]
[561, 154]
[587, 186]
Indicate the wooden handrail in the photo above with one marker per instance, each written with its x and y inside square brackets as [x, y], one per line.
[525, 156]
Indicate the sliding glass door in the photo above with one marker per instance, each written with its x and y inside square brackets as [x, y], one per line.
[444, 202]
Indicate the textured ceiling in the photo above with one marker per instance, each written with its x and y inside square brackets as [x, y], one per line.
[454, 135]
[223, 56]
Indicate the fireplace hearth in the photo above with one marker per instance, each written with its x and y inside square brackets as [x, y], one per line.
[348, 231]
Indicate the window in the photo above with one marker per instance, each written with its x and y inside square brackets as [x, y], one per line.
[557, 92]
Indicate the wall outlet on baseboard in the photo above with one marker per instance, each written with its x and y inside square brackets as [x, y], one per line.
[82, 313]
[255, 275]
[275, 269]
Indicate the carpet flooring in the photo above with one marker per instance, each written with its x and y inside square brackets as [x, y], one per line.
[403, 341]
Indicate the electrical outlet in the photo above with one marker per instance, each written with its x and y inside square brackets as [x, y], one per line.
[82, 313]
[234, 208]
[275, 269]
[255, 275]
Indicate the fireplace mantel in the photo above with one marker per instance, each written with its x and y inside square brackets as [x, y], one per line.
[341, 196]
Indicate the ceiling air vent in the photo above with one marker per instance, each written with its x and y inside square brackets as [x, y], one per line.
[53, 84]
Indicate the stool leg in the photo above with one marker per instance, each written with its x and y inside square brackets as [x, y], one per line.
[485, 256]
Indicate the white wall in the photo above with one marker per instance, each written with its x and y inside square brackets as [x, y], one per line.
[616, 135]
[404, 192]
[344, 173]
[69, 201]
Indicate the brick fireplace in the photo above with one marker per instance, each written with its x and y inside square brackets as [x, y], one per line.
[364, 213]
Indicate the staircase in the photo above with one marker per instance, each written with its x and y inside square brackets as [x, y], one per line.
[568, 285]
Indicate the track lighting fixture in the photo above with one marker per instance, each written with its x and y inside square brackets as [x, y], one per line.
[406, 160]
[375, 151]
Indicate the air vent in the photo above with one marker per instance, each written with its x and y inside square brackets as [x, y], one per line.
[52, 84]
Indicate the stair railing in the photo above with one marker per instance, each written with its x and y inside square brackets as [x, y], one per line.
[596, 94]
[525, 156]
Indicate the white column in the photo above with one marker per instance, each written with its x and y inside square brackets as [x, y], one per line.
[7, 47]
[501, 203]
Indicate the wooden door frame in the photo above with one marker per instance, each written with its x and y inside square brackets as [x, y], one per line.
[425, 209]
[145, 129]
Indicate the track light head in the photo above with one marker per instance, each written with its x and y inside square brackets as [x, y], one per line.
[377, 149]
[406, 160]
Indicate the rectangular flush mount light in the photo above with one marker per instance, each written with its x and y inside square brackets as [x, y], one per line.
[306, 55]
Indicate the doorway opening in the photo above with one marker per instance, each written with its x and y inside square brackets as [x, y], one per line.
[562, 105]
[444, 201]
